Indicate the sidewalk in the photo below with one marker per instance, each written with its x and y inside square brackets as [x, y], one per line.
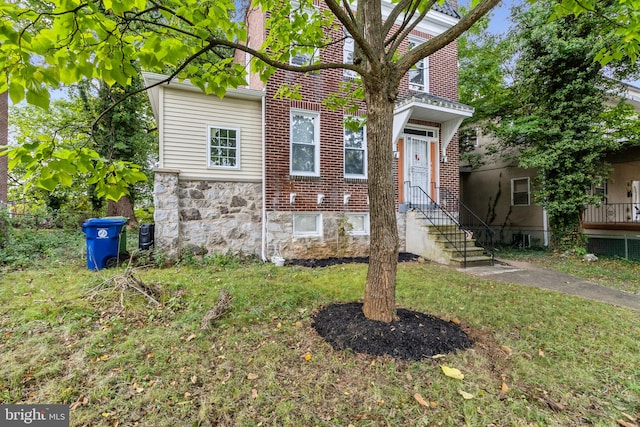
[530, 275]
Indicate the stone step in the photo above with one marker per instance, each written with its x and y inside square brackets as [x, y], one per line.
[472, 261]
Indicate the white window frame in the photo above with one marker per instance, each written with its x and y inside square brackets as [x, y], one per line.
[513, 185]
[305, 233]
[363, 175]
[210, 130]
[302, 59]
[425, 69]
[316, 142]
[348, 51]
[365, 223]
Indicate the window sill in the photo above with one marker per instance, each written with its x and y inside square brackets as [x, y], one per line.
[304, 178]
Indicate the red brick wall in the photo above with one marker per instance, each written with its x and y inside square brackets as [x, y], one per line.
[4, 123]
[314, 87]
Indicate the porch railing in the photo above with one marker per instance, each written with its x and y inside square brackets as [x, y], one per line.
[448, 212]
[612, 213]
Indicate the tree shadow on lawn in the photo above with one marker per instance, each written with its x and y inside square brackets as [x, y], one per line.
[413, 336]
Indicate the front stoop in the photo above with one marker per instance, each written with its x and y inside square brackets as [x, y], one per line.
[430, 242]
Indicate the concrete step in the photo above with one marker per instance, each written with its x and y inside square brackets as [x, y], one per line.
[472, 261]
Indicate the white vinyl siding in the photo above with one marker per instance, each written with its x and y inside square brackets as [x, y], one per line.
[186, 118]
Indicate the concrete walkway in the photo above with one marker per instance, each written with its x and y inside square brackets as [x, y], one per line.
[530, 275]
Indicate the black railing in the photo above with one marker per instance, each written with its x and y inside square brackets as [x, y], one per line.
[449, 216]
[471, 223]
[612, 213]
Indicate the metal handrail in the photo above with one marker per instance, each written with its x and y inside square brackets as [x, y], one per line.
[471, 223]
[447, 213]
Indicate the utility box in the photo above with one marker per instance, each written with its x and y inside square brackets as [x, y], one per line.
[103, 242]
[146, 236]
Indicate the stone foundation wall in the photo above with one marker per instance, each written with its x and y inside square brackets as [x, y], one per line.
[216, 217]
[206, 217]
[332, 243]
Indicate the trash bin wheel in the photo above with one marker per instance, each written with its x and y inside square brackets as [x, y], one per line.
[111, 262]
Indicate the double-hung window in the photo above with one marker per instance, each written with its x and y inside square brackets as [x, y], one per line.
[355, 151]
[419, 73]
[520, 192]
[348, 50]
[305, 143]
[224, 147]
[302, 55]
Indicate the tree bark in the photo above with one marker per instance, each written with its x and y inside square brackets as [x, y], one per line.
[379, 295]
[122, 207]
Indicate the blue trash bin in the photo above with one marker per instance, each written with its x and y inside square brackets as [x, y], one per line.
[103, 242]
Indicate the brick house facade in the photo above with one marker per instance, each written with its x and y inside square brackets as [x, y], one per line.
[312, 204]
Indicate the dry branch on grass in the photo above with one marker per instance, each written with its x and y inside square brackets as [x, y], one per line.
[128, 281]
[224, 301]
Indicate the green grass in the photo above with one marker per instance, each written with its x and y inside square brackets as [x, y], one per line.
[616, 273]
[73, 336]
[67, 339]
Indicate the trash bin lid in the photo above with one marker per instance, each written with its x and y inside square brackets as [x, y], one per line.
[123, 218]
[102, 222]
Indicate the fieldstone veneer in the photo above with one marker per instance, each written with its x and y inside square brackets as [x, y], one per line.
[201, 216]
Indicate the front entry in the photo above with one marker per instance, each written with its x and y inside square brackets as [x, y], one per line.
[421, 169]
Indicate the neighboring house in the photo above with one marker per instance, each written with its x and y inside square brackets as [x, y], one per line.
[501, 194]
[257, 174]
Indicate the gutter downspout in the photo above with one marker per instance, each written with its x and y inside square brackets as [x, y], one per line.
[264, 185]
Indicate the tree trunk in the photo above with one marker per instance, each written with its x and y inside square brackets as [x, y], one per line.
[122, 207]
[379, 295]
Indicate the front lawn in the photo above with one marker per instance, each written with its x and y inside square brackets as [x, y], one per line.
[83, 338]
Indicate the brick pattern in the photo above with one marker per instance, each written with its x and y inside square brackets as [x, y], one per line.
[314, 87]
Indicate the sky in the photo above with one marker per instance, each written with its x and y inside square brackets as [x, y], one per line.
[500, 22]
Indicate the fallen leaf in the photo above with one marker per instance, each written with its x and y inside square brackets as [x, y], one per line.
[506, 350]
[438, 356]
[252, 376]
[455, 321]
[298, 323]
[624, 423]
[421, 400]
[465, 395]
[190, 337]
[503, 391]
[194, 379]
[254, 393]
[452, 372]
[409, 377]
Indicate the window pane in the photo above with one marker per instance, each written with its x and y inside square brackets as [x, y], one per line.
[223, 147]
[302, 129]
[358, 224]
[354, 162]
[520, 185]
[520, 198]
[354, 139]
[302, 158]
[305, 224]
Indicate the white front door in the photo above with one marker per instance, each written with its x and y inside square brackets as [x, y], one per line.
[420, 169]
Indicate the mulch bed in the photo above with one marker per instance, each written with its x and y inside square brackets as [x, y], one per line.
[326, 262]
[413, 337]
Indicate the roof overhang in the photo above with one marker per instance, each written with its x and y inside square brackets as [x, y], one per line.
[430, 108]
